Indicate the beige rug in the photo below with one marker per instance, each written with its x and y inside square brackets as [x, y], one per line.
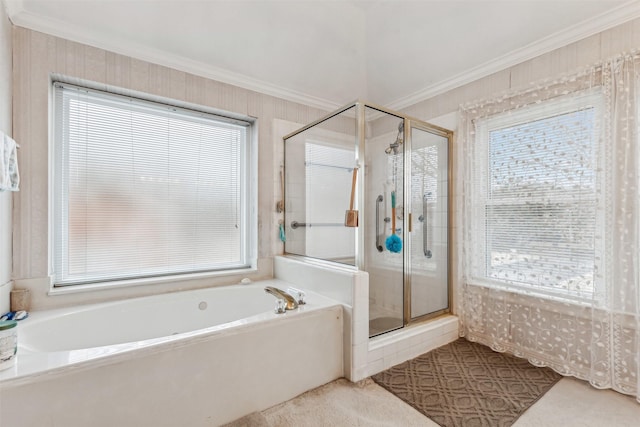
[570, 403]
[467, 384]
[340, 403]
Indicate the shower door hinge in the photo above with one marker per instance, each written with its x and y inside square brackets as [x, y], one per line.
[410, 223]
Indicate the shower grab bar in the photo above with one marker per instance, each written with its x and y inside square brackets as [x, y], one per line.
[296, 224]
[425, 226]
[378, 202]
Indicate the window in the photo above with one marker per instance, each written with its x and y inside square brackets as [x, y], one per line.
[535, 204]
[144, 189]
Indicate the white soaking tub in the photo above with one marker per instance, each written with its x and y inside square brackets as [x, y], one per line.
[193, 358]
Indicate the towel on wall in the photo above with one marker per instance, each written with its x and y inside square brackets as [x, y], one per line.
[9, 175]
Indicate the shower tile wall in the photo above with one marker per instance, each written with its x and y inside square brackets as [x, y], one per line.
[319, 163]
[318, 194]
[328, 177]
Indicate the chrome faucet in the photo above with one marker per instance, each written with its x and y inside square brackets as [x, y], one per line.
[285, 301]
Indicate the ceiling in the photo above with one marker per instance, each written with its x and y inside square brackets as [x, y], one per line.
[328, 53]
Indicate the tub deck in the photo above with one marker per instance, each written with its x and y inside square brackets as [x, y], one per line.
[206, 377]
[34, 359]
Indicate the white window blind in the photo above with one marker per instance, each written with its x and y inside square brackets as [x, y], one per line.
[535, 196]
[145, 189]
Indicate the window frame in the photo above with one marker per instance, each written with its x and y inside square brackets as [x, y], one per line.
[564, 104]
[247, 176]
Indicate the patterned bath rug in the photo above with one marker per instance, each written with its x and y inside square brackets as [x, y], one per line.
[468, 385]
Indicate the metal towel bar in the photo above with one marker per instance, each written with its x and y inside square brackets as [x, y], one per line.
[296, 224]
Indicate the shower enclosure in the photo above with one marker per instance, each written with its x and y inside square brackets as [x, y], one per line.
[396, 169]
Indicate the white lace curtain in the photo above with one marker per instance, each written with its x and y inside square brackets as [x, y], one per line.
[572, 302]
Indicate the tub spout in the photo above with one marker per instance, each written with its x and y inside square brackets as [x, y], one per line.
[286, 300]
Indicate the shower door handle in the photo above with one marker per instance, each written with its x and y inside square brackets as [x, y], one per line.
[425, 226]
[378, 202]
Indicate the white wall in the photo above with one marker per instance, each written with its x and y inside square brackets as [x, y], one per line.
[442, 109]
[565, 60]
[39, 55]
[5, 126]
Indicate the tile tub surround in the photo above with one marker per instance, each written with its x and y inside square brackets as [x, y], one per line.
[207, 377]
[344, 284]
[364, 357]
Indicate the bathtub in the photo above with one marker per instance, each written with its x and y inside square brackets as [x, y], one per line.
[194, 358]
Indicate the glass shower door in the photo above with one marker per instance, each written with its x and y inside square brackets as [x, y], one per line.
[429, 257]
[384, 235]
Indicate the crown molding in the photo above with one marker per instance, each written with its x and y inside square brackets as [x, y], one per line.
[23, 18]
[617, 16]
[13, 8]
[19, 16]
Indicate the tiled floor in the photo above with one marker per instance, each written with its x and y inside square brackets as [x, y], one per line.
[569, 403]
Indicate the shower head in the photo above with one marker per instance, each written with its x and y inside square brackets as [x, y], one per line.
[393, 147]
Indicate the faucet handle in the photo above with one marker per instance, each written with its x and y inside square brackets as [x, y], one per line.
[297, 294]
[281, 306]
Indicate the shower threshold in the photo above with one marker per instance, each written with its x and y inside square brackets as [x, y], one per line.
[381, 325]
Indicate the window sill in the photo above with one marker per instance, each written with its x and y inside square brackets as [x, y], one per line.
[581, 301]
[117, 284]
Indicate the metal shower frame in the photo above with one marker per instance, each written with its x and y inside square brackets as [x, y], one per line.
[409, 124]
